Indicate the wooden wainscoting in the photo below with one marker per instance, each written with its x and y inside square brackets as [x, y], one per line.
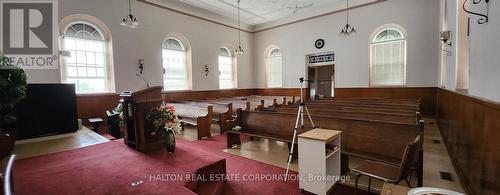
[471, 130]
[427, 94]
[200, 95]
[205, 94]
[95, 105]
[279, 91]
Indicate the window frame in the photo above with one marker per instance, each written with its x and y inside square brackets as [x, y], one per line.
[187, 59]
[103, 30]
[233, 60]
[375, 33]
[267, 53]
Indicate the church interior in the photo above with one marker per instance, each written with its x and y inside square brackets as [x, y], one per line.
[220, 97]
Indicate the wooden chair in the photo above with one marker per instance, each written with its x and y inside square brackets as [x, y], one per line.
[389, 173]
[6, 166]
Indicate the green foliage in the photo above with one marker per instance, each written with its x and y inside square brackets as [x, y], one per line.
[13, 89]
[119, 109]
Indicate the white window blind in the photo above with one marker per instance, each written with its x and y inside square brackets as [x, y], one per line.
[225, 69]
[274, 68]
[388, 60]
[86, 66]
[174, 65]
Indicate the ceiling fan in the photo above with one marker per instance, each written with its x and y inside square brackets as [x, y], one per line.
[297, 8]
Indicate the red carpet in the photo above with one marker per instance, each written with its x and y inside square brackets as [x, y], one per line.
[110, 168]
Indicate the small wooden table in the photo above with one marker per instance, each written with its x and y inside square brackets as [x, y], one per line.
[391, 189]
[319, 165]
[95, 122]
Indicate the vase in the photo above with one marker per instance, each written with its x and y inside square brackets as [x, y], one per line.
[7, 141]
[170, 142]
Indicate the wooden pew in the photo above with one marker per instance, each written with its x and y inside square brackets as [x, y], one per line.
[401, 108]
[369, 139]
[255, 125]
[237, 104]
[277, 100]
[362, 108]
[389, 102]
[356, 108]
[221, 112]
[404, 118]
[195, 115]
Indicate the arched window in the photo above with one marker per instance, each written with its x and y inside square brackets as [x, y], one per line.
[175, 69]
[226, 76]
[86, 65]
[388, 57]
[274, 68]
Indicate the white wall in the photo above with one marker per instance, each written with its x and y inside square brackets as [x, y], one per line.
[462, 42]
[482, 57]
[451, 60]
[419, 18]
[484, 80]
[145, 42]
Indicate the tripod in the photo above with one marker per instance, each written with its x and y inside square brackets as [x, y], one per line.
[299, 124]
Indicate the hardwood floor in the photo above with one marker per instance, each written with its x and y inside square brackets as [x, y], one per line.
[57, 143]
[436, 159]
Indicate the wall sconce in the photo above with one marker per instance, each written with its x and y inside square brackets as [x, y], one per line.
[205, 67]
[446, 41]
[484, 17]
[141, 65]
[445, 37]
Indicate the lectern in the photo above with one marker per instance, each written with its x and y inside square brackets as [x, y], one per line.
[139, 131]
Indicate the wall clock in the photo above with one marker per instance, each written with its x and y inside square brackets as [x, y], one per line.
[319, 43]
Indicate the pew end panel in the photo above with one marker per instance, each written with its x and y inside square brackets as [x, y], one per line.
[224, 117]
[275, 102]
[248, 104]
[204, 123]
[232, 138]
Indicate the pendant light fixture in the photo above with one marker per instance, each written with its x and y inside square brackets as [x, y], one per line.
[348, 29]
[129, 20]
[239, 50]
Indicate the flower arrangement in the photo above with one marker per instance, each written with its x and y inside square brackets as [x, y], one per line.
[164, 120]
[119, 109]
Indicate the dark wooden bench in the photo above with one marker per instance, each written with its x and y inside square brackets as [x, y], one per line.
[259, 126]
[387, 116]
[376, 140]
[352, 109]
[392, 103]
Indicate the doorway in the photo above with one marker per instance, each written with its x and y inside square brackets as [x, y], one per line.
[322, 78]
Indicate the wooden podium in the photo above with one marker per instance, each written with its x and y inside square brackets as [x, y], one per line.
[138, 132]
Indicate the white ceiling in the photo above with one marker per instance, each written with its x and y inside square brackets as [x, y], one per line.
[258, 14]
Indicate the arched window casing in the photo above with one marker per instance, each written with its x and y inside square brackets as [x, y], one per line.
[174, 65]
[388, 57]
[87, 65]
[274, 68]
[226, 74]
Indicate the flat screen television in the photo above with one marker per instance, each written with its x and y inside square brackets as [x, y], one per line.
[48, 109]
